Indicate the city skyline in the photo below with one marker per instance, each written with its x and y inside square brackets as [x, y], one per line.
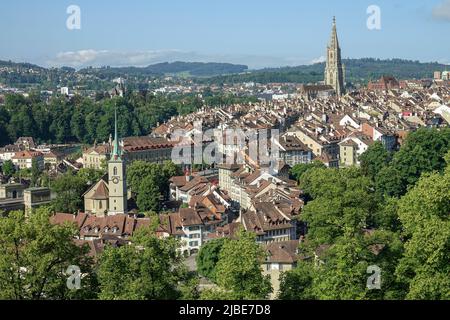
[254, 33]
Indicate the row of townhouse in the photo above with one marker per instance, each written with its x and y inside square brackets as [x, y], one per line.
[190, 225]
[24, 152]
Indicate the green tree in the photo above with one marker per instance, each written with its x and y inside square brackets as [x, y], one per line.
[374, 159]
[343, 201]
[23, 173]
[139, 170]
[151, 182]
[386, 217]
[424, 213]
[346, 216]
[339, 271]
[35, 173]
[69, 189]
[208, 257]
[34, 256]
[238, 271]
[189, 287]
[297, 283]
[299, 169]
[8, 168]
[170, 170]
[90, 176]
[149, 197]
[390, 182]
[148, 269]
[45, 180]
[343, 274]
[423, 151]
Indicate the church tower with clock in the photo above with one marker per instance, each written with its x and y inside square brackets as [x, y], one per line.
[117, 183]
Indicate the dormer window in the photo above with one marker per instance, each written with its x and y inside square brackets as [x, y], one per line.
[115, 229]
[106, 230]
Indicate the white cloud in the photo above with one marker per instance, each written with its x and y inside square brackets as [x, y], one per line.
[442, 11]
[96, 58]
[90, 57]
[319, 60]
[443, 61]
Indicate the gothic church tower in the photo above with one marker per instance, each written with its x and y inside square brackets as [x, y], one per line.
[117, 184]
[334, 69]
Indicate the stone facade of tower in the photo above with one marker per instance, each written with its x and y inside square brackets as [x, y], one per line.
[117, 184]
[334, 69]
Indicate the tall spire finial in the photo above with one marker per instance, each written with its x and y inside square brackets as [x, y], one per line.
[334, 70]
[334, 37]
[116, 152]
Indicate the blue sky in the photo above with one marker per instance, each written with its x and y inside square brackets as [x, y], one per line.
[259, 33]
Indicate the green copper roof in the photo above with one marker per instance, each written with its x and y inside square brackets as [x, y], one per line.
[116, 153]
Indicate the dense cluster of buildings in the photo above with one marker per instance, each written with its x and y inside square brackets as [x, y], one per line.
[315, 123]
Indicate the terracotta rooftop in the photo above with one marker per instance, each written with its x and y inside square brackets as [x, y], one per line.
[282, 252]
[133, 144]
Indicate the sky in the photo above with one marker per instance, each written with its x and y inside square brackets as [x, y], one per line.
[257, 33]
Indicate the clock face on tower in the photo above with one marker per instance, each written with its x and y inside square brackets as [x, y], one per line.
[115, 180]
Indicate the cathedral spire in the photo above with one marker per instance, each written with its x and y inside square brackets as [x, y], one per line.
[334, 43]
[334, 69]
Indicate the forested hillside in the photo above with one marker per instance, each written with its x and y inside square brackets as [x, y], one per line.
[357, 71]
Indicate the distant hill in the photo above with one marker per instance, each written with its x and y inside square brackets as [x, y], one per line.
[194, 69]
[357, 70]
[21, 65]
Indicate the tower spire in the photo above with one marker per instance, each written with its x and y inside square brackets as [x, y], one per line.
[117, 185]
[116, 149]
[334, 37]
[334, 69]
